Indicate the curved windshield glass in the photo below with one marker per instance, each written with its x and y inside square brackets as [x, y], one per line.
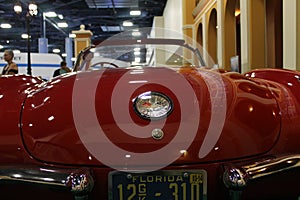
[126, 51]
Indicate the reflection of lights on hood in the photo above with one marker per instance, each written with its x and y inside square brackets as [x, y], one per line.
[290, 84]
[56, 81]
[1, 96]
[33, 80]
[128, 156]
[46, 99]
[251, 108]
[141, 81]
[184, 152]
[51, 118]
[137, 71]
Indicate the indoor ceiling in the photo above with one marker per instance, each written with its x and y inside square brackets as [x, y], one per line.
[103, 18]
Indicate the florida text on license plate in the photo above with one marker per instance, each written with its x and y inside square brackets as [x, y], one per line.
[159, 185]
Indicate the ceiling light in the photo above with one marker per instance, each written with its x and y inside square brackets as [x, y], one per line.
[56, 50]
[18, 8]
[127, 23]
[24, 36]
[16, 51]
[135, 12]
[136, 33]
[64, 55]
[50, 14]
[111, 28]
[62, 24]
[1, 46]
[72, 35]
[60, 16]
[32, 7]
[5, 26]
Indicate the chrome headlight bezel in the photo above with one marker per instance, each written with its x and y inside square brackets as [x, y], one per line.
[153, 105]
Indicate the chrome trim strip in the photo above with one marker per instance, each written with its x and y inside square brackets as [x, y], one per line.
[79, 181]
[237, 178]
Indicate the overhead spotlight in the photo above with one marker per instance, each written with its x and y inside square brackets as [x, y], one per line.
[18, 8]
[24, 36]
[4, 25]
[56, 50]
[62, 24]
[50, 14]
[135, 12]
[72, 35]
[16, 51]
[32, 8]
[127, 23]
[136, 33]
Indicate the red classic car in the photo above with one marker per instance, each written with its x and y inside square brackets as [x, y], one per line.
[144, 119]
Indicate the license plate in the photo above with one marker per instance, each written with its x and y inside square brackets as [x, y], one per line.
[158, 185]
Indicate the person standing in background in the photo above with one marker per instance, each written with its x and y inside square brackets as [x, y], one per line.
[62, 70]
[11, 67]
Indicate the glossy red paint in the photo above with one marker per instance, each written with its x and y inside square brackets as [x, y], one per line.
[262, 121]
[53, 138]
[285, 86]
[13, 91]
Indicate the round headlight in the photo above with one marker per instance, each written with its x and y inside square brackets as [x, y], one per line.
[153, 105]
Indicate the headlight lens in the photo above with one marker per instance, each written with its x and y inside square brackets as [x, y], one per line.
[153, 105]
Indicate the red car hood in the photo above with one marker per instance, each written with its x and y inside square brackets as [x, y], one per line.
[88, 118]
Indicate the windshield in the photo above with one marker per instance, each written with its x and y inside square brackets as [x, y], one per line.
[139, 53]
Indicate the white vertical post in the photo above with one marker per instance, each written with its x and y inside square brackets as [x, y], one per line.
[290, 34]
[245, 36]
[220, 33]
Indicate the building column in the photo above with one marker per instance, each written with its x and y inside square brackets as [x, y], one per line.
[245, 35]
[69, 51]
[291, 37]
[220, 34]
[205, 41]
[43, 45]
[187, 17]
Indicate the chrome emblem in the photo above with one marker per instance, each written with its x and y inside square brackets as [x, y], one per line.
[157, 134]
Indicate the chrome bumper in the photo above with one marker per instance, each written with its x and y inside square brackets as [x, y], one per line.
[236, 178]
[79, 181]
